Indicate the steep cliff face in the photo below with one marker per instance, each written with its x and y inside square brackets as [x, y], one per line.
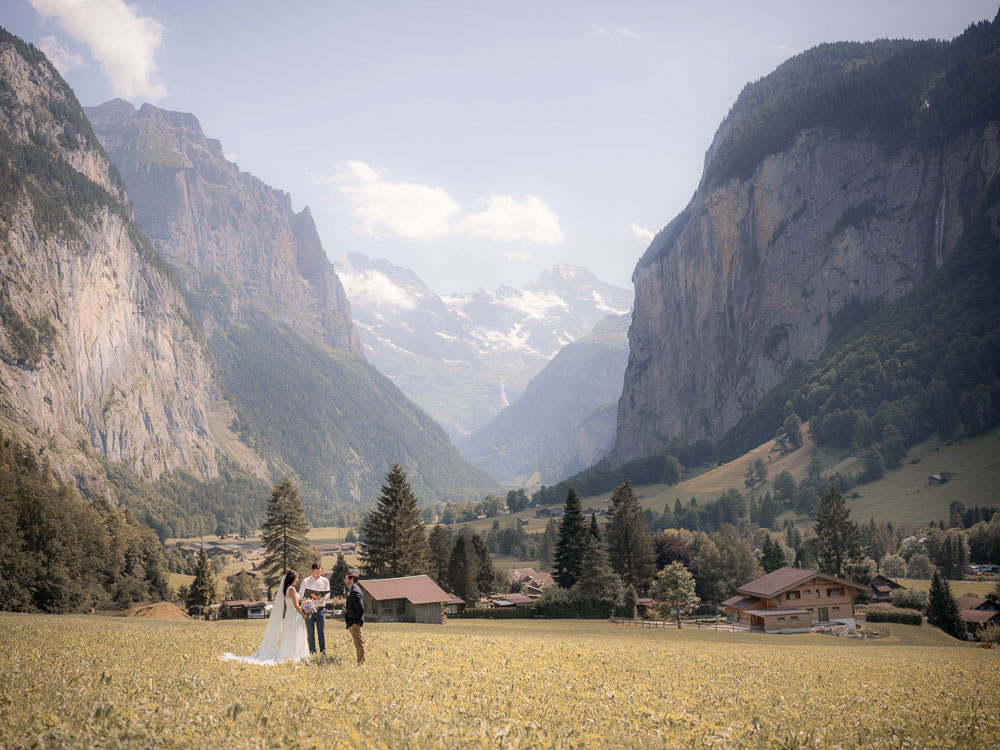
[759, 268]
[748, 280]
[94, 350]
[235, 242]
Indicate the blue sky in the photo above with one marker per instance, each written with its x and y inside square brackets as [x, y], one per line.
[476, 143]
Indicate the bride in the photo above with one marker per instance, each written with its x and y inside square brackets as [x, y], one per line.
[285, 636]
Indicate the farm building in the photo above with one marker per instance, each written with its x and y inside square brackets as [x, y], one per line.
[410, 599]
[882, 588]
[792, 599]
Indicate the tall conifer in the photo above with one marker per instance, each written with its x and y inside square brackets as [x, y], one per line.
[440, 545]
[463, 570]
[572, 542]
[284, 534]
[630, 548]
[942, 608]
[837, 533]
[393, 533]
[202, 592]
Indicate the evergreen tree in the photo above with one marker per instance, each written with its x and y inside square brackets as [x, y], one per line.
[486, 575]
[202, 591]
[772, 557]
[593, 532]
[598, 591]
[463, 571]
[549, 543]
[674, 587]
[942, 609]
[837, 533]
[394, 536]
[440, 546]
[340, 569]
[572, 542]
[284, 534]
[630, 548]
[629, 602]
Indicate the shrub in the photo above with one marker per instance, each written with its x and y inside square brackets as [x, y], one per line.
[891, 614]
[908, 599]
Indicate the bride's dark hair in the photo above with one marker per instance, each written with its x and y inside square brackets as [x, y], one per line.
[290, 576]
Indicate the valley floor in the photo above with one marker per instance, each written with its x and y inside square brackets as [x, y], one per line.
[116, 682]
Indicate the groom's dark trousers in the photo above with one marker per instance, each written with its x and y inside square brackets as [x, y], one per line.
[316, 630]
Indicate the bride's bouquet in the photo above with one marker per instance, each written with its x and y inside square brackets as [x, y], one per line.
[308, 606]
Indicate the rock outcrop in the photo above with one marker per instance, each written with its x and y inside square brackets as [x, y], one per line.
[96, 348]
[747, 280]
[234, 241]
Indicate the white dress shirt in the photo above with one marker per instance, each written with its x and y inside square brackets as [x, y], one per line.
[320, 585]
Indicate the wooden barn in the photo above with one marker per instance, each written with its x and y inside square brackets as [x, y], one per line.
[410, 599]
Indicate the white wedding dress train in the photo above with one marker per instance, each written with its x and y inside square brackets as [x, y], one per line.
[284, 638]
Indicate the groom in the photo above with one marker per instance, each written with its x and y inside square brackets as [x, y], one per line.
[354, 613]
[317, 589]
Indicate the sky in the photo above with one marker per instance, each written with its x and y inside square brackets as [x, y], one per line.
[475, 143]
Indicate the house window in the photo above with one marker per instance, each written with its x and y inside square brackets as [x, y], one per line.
[793, 595]
[839, 591]
[836, 609]
[781, 619]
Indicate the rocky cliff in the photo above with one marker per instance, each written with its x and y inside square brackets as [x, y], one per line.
[749, 279]
[235, 242]
[96, 348]
[276, 320]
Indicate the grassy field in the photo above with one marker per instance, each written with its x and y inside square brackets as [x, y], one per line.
[116, 682]
[901, 496]
[958, 588]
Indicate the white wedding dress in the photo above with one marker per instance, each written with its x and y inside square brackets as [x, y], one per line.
[284, 638]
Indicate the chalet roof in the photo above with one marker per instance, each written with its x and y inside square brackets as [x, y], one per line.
[454, 600]
[740, 602]
[978, 615]
[971, 602]
[417, 589]
[786, 578]
[782, 612]
[519, 599]
[885, 582]
[519, 574]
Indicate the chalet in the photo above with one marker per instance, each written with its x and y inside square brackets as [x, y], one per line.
[512, 600]
[549, 513]
[410, 599]
[882, 588]
[241, 609]
[521, 575]
[791, 600]
[977, 603]
[454, 606]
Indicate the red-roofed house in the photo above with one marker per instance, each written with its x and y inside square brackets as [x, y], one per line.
[882, 588]
[790, 600]
[409, 599]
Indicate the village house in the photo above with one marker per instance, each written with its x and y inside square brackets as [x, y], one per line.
[454, 606]
[791, 600]
[409, 599]
[882, 588]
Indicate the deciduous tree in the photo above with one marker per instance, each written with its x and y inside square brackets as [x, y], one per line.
[674, 588]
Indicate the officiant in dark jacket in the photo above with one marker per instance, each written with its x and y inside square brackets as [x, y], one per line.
[354, 613]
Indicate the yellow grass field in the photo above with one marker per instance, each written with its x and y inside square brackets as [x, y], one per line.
[78, 681]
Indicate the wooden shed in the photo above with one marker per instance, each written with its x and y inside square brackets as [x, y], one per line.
[409, 599]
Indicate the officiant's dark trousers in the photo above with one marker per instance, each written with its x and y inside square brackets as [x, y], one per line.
[316, 630]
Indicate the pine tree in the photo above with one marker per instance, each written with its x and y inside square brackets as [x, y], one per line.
[772, 557]
[549, 542]
[340, 569]
[440, 546]
[486, 575]
[284, 534]
[598, 591]
[202, 591]
[942, 609]
[593, 532]
[572, 542]
[393, 533]
[463, 570]
[630, 548]
[838, 534]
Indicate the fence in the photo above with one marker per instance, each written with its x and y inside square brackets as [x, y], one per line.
[724, 625]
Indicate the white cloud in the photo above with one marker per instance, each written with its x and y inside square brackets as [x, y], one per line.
[406, 210]
[374, 289]
[517, 256]
[785, 50]
[426, 213]
[232, 157]
[622, 32]
[64, 59]
[507, 219]
[123, 42]
[643, 235]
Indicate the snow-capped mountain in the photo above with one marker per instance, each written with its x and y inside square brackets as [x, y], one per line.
[464, 357]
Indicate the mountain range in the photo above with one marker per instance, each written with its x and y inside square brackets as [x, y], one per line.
[173, 334]
[464, 357]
